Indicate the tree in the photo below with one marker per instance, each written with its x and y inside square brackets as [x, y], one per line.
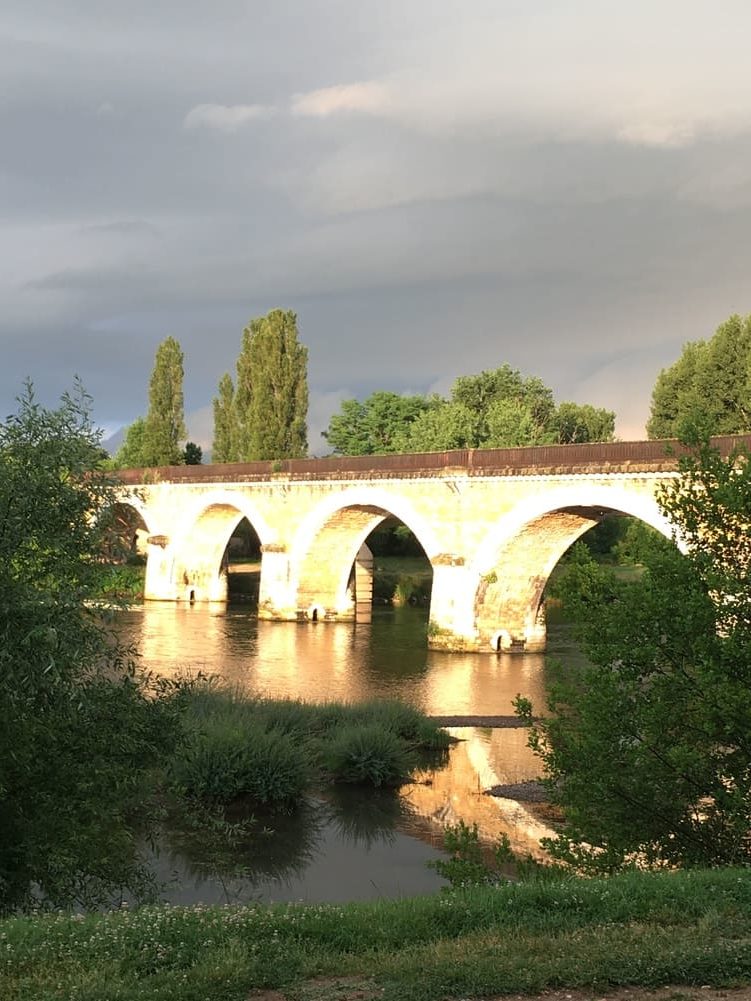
[574, 423]
[164, 427]
[377, 425]
[271, 398]
[648, 751]
[193, 454]
[519, 406]
[709, 385]
[674, 397]
[131, 455]
[225, 444]
[80, 732]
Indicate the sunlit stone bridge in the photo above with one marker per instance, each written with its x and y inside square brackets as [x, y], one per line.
[493, 523]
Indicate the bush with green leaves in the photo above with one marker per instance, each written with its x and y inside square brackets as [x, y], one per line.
[648, 750]
[368, 754]
[81, 731]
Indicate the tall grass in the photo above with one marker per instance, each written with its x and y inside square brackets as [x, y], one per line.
[221, 761]
[270, 750]
[368, 755]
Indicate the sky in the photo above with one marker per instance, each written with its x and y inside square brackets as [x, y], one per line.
[436, 187]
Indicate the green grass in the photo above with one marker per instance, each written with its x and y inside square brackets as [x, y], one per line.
[270, 750]
[368, 755]
[635, 929]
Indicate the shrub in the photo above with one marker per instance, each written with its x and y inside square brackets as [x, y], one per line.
[220, 763]
[368, 755]
[405, 721]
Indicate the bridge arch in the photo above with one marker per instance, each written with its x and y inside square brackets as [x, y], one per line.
[127, 524]
[330, 540]
[514, 562]
[199, 571]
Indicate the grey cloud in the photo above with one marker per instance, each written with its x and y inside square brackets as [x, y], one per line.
[444, 186]
[94, 280]
[124, 227]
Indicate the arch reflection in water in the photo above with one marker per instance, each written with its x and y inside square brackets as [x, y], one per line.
[483, 759]
[386, 658]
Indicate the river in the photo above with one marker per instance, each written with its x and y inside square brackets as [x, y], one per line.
[345, 847]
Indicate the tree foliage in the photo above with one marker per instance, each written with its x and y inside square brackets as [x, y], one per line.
[575, 423]
[377, 425]
[271, 396]
[156, 439]
[165, 421]
[708, 386]
[130, 455]
[225, 446]
[494, 409]
[79, 731]
[649, 749]
[192, 454]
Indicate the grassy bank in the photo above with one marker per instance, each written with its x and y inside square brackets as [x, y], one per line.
[636, 929]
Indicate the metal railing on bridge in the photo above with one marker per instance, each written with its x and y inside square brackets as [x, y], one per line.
[654, 455]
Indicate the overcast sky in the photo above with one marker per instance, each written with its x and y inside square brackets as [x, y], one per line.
[435, 186]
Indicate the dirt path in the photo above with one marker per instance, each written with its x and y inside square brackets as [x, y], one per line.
[356, 989]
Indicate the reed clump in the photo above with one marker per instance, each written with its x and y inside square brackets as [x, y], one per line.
[270, 751]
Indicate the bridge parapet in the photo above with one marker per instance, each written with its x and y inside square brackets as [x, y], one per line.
[658, 455]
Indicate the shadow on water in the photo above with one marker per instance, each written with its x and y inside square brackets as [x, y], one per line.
[343, 847]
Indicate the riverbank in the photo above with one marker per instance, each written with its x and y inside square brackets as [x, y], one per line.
[642, 930]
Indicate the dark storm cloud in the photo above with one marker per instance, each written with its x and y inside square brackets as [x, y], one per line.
[435, 187]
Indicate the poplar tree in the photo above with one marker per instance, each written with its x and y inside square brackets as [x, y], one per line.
[165, 421]
[224, 447]
[271, 398]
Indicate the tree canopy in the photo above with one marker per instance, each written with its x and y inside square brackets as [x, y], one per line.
[80, 732]
[494, 409]
[648, 750]
[379, 424]
[709, 385]
[271, 395]
[156, 439]
[226, 445]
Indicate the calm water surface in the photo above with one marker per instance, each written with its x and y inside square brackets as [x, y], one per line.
[353, 845]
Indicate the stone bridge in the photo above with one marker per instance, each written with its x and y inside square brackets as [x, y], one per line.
[492, 522]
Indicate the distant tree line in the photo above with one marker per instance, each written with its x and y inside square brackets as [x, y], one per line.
[262, 412]
[495, 409]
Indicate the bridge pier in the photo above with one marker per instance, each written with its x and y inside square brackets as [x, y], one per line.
[276, 599]
[455, 624]
[159, 585]
[452, 621]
